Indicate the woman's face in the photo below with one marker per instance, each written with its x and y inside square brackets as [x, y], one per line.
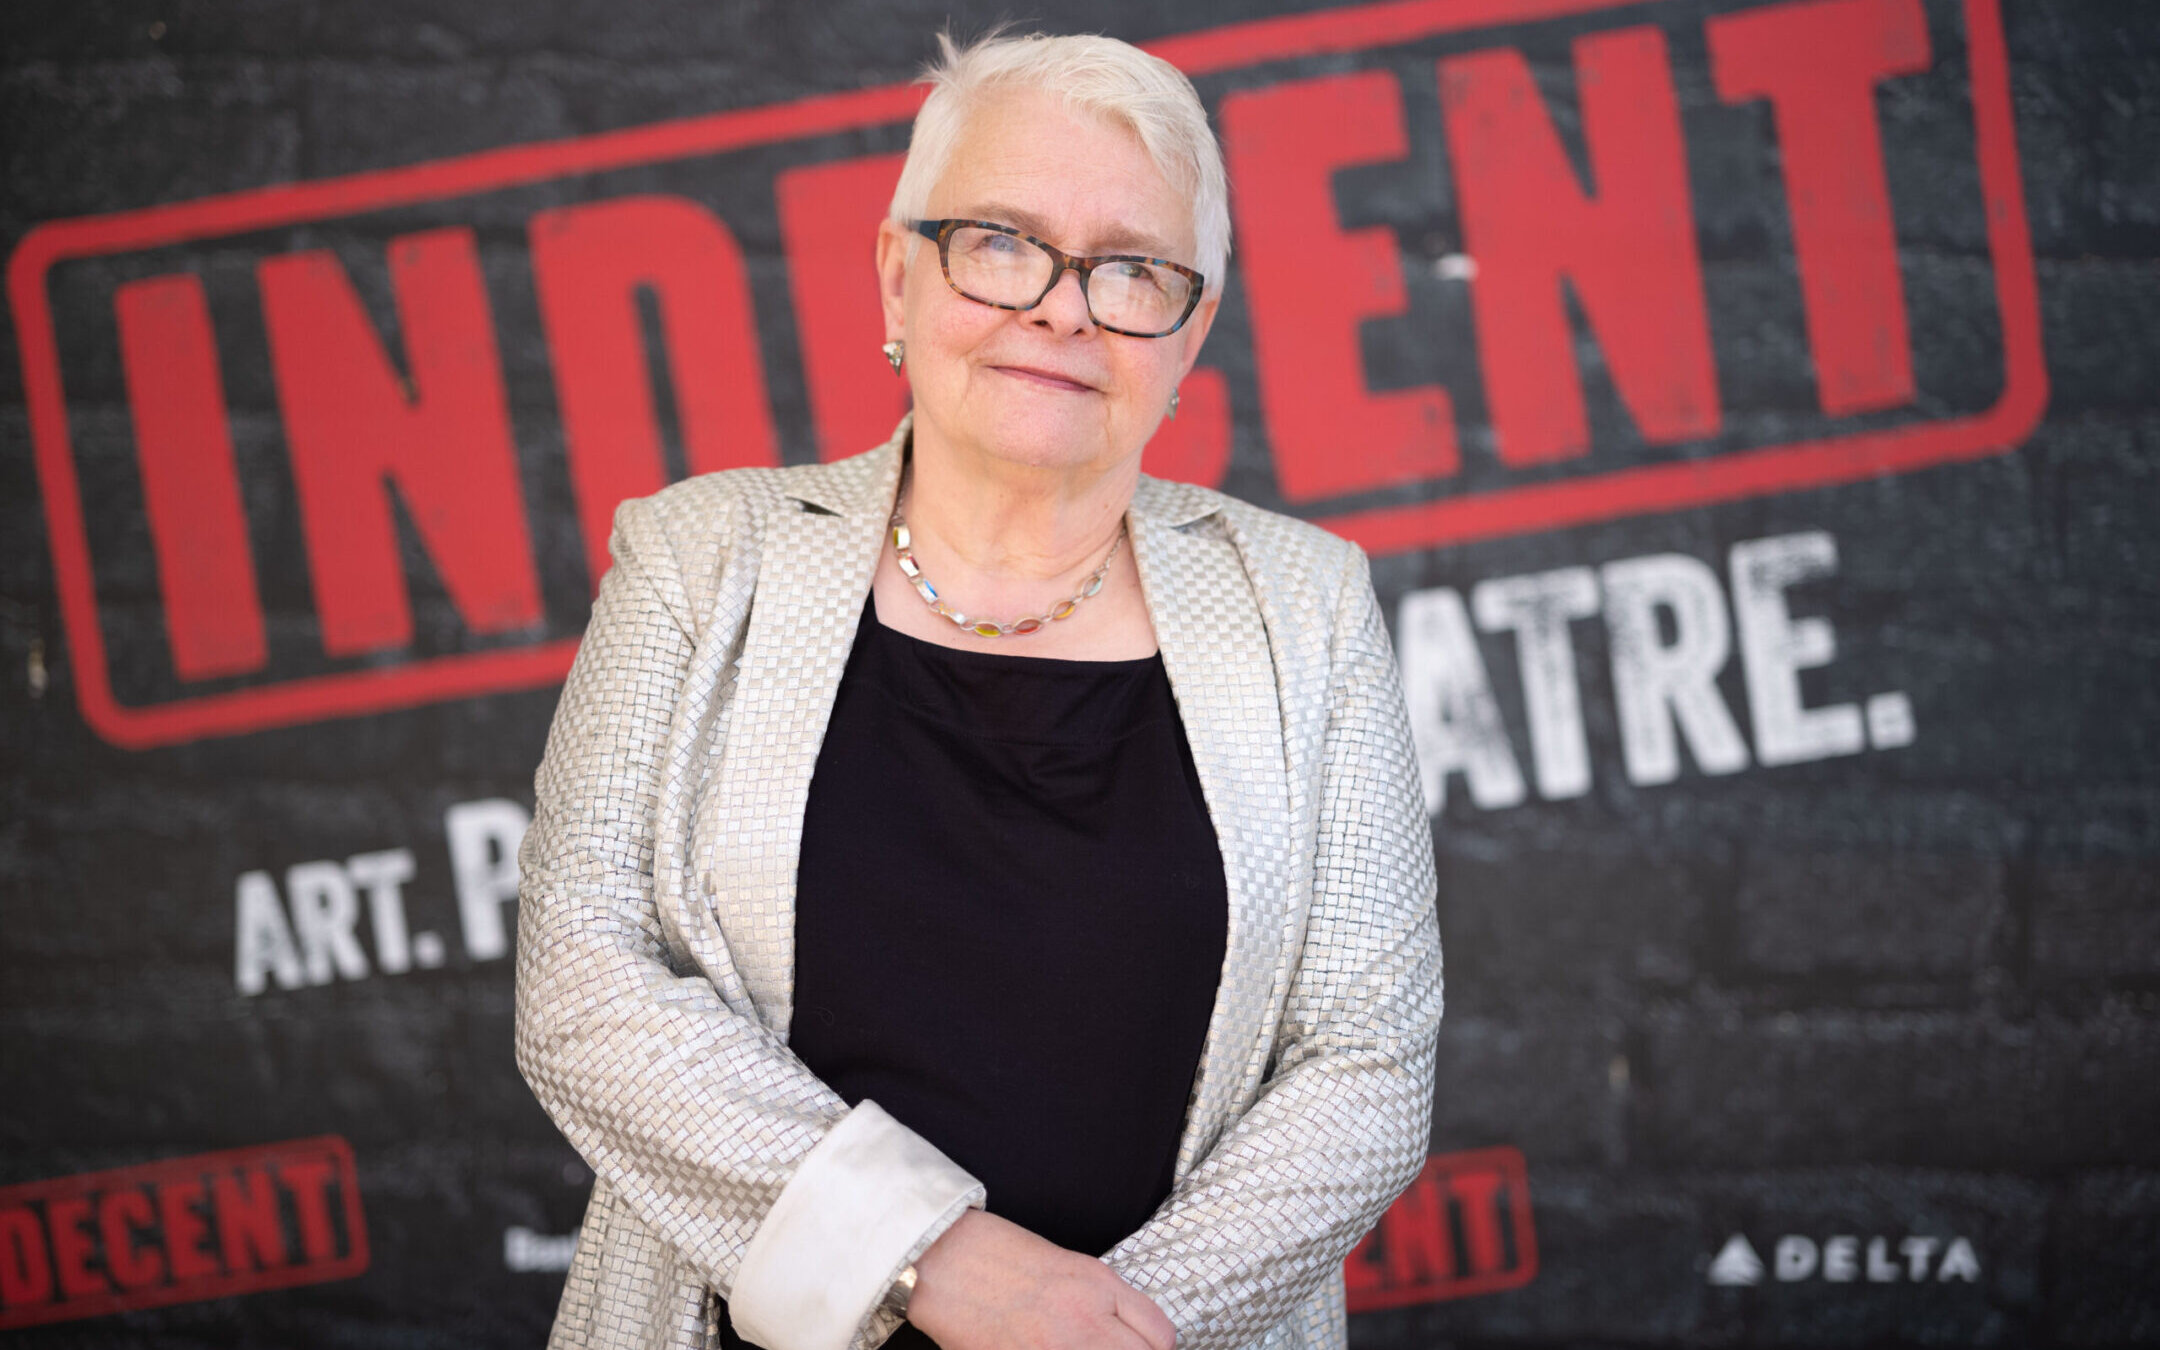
[1044, 386]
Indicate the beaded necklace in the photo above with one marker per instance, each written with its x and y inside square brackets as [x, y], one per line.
[903, 551]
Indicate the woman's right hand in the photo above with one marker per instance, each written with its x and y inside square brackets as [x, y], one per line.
[989, 1284]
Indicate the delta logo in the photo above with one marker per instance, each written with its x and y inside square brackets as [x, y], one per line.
[1847, 1259]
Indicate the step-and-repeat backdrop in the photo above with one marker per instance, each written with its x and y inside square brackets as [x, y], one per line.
[1749, 409]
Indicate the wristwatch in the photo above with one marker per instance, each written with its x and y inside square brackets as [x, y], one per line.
[903, 1289]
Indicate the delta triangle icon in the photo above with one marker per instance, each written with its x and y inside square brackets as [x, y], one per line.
[1736, 1263]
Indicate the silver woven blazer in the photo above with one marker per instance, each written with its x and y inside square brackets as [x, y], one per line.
[656, 923]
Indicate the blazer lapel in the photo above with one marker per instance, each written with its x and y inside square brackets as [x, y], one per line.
[1215, 649]
[820, 550]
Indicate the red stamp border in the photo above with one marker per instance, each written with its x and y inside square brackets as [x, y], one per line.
[1508, 1161]
[1664, 487]
[325, 1146]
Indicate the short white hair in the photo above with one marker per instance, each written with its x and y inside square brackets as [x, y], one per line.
[1100, 75]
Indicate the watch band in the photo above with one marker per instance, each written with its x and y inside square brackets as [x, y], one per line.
[903, 1289]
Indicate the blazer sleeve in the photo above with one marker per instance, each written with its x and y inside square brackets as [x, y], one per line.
[1342, 1124]
[717, 1136]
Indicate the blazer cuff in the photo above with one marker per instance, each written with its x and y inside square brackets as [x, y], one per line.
[869, 1198]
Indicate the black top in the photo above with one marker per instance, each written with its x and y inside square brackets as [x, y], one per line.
[1009, 922]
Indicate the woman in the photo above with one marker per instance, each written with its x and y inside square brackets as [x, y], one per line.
[973, 882]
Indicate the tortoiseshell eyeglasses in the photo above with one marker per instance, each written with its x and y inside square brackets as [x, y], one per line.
[1126, 293]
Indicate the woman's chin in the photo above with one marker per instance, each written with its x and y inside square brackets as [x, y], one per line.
[1047, 437]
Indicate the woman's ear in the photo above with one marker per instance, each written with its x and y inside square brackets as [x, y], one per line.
[892, 264]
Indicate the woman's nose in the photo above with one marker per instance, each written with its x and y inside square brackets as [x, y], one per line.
[1065, 309]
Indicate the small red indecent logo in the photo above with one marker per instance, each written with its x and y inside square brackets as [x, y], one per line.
[1462, 1228]
[181, 1230]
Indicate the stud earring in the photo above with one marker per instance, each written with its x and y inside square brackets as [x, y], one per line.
[1173, 405]
[895, 352]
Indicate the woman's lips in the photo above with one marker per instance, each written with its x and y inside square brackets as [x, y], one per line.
[1048, 379]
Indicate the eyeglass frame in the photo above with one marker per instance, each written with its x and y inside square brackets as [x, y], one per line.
[940, 232]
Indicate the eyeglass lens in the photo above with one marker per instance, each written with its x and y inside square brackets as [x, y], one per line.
[1004, 269]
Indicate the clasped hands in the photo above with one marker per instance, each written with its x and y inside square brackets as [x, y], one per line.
[989, 1284]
